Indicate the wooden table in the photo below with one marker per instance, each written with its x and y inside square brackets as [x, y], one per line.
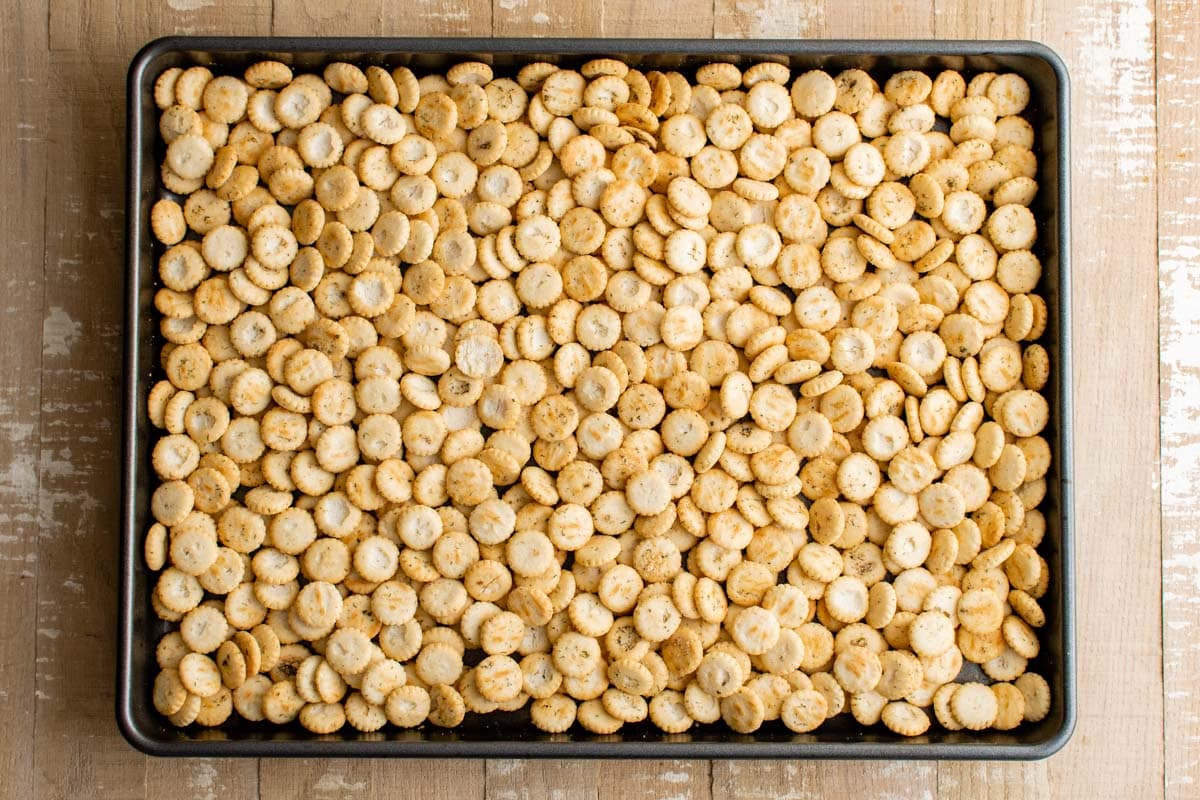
[1137, 232]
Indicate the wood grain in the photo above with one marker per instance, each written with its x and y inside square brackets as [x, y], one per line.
[656, 18]
[656, 780]
[801, 780]
[370, 779]
[1117, 749]
[545, 18]
[331, 17]
[381, 18]
[202, 778]
[1005, 19]
[759, 19]
[996, 781]
[24, 137]
[517, 779]
[866, 19]
[80, 308]
[195, 18]
[1178, 42]
[78, 486]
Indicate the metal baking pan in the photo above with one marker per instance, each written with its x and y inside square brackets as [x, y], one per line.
[511, 735]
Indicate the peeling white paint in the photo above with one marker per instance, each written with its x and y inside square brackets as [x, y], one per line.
[59, 332]
[201, 780]
[1179, 292]
[19, 475]
[453, 15]
[768, 18]
[190, 5]
[336, 785]
[1116, 55]
[1179, 354]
